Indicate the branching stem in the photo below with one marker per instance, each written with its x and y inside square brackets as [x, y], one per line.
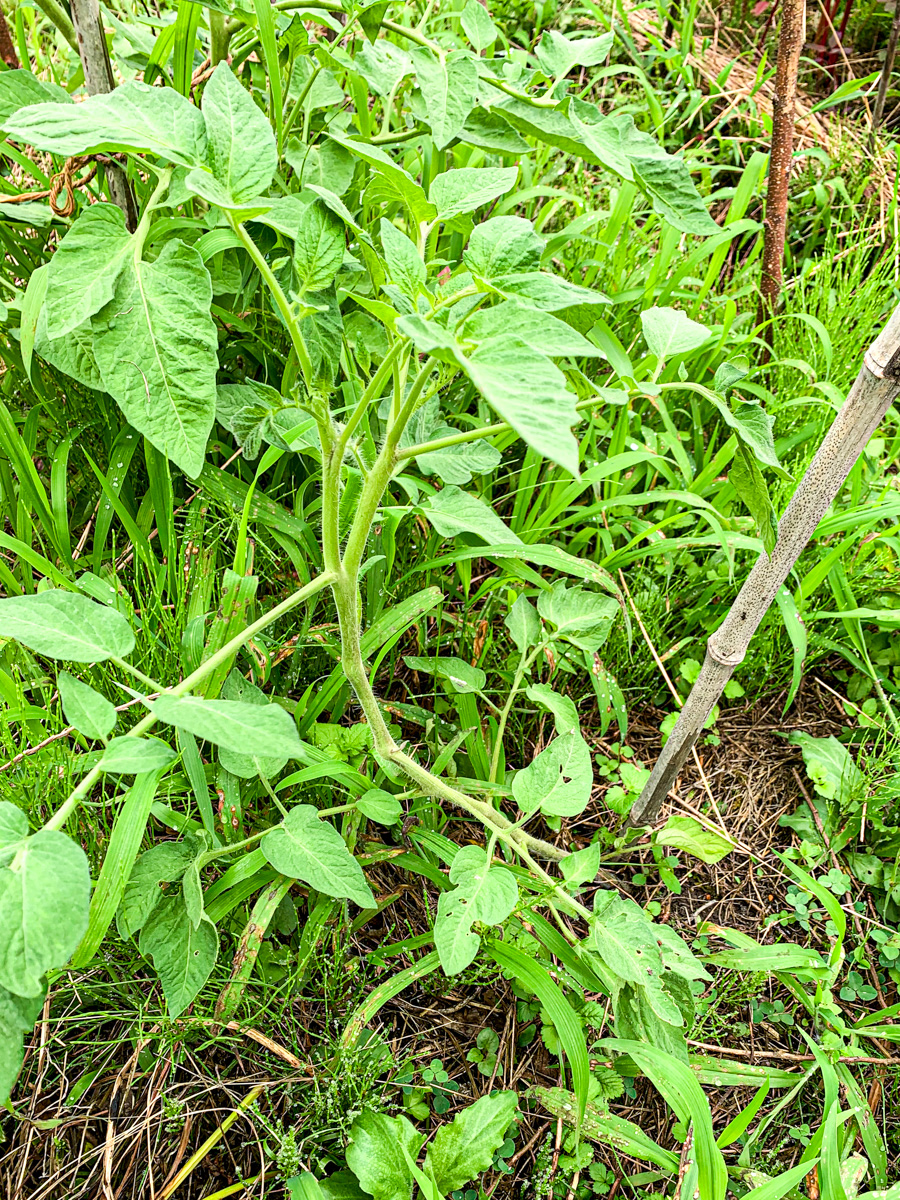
[62, 814]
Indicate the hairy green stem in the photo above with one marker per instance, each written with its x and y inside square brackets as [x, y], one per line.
[486, 431]
[298, 103]
[332, 454]
[60, 18]
[278, 296]
[143, 228]
[524, 663]
[218, 37]
[371, 392]
[62, 814]
[210, 855]
[146, 680]
[345, 588]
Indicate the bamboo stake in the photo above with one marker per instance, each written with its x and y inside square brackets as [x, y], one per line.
[790, 43]
[98, 78]
[872, 394]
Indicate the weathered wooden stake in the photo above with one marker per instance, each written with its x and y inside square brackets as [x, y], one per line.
[98, 77]
[872, 394]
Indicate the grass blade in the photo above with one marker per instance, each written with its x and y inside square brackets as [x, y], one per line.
[185, 40]
[605, 1127]
[678, 1085]
[193, 768]
[121, 853]
[269, 46]
[781, 1184]
[563, 1016]
[796, 631]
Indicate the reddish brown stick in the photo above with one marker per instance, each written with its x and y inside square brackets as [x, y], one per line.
[790, 43]
[7, 49]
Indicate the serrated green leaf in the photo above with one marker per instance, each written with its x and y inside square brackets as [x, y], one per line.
[578, 616]
[45, 888]
[529, 392]
[65, 625]
[452, 511]
[449, 87]
[183, 956]
[582, 866]
[323, 335]
[72, 354]
[754, 427]
[403, 186]
[134, 117]
[374, 1154]
[524, 624]
[558, 780]
[380, 806]
[488, 130]
[464, 189]
[684, 833]
[464, 1147]
[247, 766]
[617, 143]
[305, 847]
[383, 65]
[318, 247]
[163, 863]
[452, 464]
[546, 333]
[546, 292]
[548, 125]
[831, 768]
[82, 274]
[623, 935]
[21, 89]
[88, 711]
[404, 263]
[747, 480]
[155, 344]
[558, 54]
[478, 26]
[135, 755]
[256, 413]
[326, 165]
[192, 894]
[668, 331]
[565, 714]
[730, 373]
[242, 154]
[482, 893]
[246, 728]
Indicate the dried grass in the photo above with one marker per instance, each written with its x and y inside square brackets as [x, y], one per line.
[748, 99]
